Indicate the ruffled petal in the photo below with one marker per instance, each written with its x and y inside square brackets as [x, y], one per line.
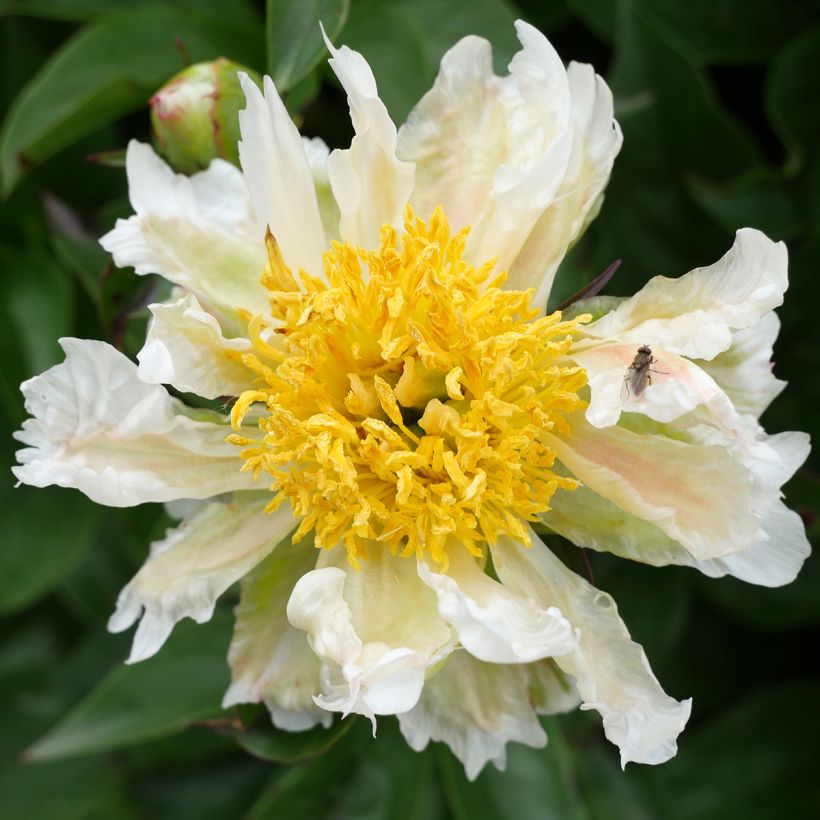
[98, 428]
[773, 558]
[596, 142]
[610, 670]
[675, 387]
[270, 660]
[198, 232]
[377, 631]
[185, 348]
[744, 371]
[679, 487]
[522, 159]
[279, 178]
[193, 565]
[371, 186]
[696, 314]
[492, 623]
[476, 709]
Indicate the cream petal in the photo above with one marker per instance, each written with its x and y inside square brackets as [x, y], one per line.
[611, 671]
[475, 708]
[271, 661]
[679, 487]
[185, 348]
[369, 183]
[376, 630]
[492, 624]
[97, 427]
[279, 177]
[521, 159]
[772, 560]
[193, 565]
[744, 371]
[676, 386]
[198, 232]
[696, 314]
[457, 135]
[597, 140]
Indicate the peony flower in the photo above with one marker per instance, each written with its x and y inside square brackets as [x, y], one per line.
[406, 422]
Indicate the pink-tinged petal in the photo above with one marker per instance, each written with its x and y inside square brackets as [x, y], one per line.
[193, 565]
[279, 178]
[475, 708]
[611, 670]
[679, 487]
[97, 427]
[674, 386]
[370, 184]
[198, 232]
[697, 314]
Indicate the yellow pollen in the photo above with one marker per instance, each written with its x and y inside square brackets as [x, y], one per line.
[406, 399]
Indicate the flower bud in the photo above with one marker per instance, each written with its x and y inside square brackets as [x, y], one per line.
[194, 115]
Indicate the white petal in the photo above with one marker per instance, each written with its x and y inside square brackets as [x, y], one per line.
[270, 660]
[698, 494]
[744, 371]
[521, 159]
[611, 671]
[476, 709]
[675, 387]
[376, 630]
[98, 428]
[492, 623]
[279, 177]
[198, 232]
[696, 314]
[597, 140]
[185, 348]
[193, 565]
[370, 184]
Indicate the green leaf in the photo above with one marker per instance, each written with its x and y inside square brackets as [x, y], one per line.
[792, 92]
[108, 69]
[538, 783]
[728, 31]
[755, 761]
[277, 746]
[404, 40]
[295, 44]
[153, 699]
[37, 551]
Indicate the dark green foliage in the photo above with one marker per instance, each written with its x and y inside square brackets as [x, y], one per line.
[719, 105]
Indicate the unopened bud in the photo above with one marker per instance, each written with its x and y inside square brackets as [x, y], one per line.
[194, 115]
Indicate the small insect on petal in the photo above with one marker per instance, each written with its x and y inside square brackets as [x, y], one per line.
[638, 373]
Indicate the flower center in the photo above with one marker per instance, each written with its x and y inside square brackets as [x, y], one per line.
[406, 399]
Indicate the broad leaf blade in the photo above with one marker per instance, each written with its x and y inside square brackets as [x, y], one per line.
[106, 70]
[295, 44]
[149, 700]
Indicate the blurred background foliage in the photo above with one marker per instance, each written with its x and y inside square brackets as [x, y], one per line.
[718, 100]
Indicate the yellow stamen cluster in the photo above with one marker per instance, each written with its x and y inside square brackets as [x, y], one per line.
[406, 398]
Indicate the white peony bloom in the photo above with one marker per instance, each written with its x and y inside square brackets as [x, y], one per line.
[402, 415]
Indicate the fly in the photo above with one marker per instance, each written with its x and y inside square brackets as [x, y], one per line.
[638, 373]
